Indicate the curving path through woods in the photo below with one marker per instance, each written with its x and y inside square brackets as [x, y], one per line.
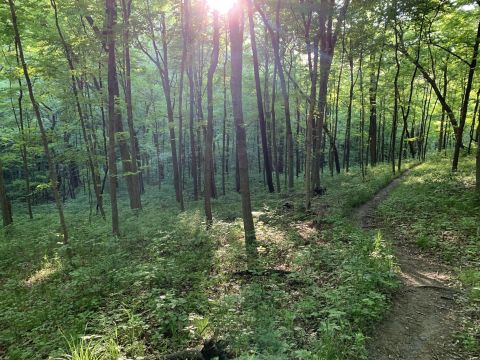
[424, 316]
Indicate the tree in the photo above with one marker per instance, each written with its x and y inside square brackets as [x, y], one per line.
[113, 111]
[209, 133]
[260, 105]
[36, 110]
[235, 25]
[88, 142]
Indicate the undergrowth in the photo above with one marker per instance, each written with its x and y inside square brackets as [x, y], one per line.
[167, 285]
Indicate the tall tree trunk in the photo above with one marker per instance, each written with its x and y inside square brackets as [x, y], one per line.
[276, 160]
[477, 173]
[393, 136]
[209, 133]
[372, 129]
[181, 152]
[113, 111]
[348, 126]
[36, 110]
[191, 87]
[224, 130]
[362, 117]
[466, 98]
[261, 114]
[441, 142]
[135, 173]
[311, 123]
[235, 24]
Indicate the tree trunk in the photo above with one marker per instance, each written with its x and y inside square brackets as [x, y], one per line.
[372, 129]
[4, 201]
[310, 124]
[346, 155]
[113, 111]
[261, 114]
[136, 202]
[477, 177]
[466, 97]
[443, 129]
[36, 110]
[224, 130]
[393, 136]
[472, 127]
[276, 160]
[209, 133]
[235, 24]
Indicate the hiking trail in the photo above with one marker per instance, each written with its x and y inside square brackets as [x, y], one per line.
[424, 315]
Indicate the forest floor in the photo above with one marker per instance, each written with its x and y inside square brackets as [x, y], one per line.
[323, 288]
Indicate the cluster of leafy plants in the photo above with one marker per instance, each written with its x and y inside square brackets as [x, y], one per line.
[167, 285]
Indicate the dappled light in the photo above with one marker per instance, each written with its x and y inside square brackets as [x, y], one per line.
[239, 179]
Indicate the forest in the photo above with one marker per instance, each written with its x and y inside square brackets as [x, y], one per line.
[239, 179]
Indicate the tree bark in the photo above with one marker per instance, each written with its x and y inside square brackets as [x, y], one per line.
[209, 132]
[235, 24]
[4, 201]
[113, 111]
[261, 114]
[466, 98]
[134, 173]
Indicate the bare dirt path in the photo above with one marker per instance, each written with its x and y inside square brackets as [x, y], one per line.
[424, 315]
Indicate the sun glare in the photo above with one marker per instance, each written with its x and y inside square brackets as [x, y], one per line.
[222, 6]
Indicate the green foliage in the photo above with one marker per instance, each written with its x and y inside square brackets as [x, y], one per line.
[167, 285]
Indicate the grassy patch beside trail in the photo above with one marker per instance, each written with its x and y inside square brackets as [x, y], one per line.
[446, 224]
[167, 285]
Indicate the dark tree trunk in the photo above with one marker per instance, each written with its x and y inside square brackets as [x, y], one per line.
[466, 97]
[472, 127]
[441, 142]
[276, 160]
[348, 126]
[36, 110]
[4, 201]
[235, 24]
[224, 130]
[477, 173]
[113, 111]
[134, 175]
[209, 132]
[372, 129]
[393, 136]
[261, 114]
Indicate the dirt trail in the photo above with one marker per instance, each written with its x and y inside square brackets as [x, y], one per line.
[423, 317]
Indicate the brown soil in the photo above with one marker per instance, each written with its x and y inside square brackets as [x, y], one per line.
[424, 315]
